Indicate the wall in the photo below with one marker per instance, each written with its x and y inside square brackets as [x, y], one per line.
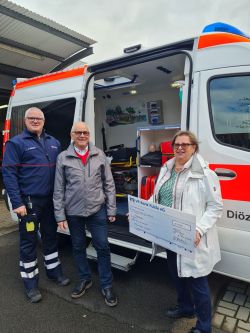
[126, 133]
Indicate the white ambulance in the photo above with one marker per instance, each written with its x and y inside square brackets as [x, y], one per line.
[201, 84]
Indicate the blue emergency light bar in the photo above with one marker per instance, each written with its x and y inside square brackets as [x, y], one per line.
[223, 27]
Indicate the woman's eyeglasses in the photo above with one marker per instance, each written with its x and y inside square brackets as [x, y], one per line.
[183, 145]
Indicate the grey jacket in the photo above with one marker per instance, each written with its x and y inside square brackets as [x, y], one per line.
[81, 190]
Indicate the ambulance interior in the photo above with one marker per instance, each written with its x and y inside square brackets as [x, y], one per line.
[141, 96]
[123, 99]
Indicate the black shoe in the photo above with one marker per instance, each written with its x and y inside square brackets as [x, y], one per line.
[80, 288]
[61, 280]
[177, 313]
[34, 295]
[195, 330]
[109, 296]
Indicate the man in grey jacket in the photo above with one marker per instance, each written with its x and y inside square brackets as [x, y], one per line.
[84, 196]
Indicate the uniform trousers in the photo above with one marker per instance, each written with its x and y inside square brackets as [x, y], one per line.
[41, 219]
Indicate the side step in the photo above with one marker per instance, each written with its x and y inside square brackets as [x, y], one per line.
[117, 261]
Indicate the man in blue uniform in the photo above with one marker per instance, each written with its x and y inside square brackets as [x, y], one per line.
[28, 174]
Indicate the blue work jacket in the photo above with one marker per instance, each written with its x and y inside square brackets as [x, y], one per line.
[29, 166]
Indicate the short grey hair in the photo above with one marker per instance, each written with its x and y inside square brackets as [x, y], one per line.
[33, 108]
[78, 123]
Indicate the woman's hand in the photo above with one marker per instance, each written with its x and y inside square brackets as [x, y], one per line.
[197, 238]
[63, 225]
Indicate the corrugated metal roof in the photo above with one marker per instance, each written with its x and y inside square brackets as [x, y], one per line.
[31, 44]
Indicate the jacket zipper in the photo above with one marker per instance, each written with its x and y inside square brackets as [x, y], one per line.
[48, 157]
[45, 151]
[181, 201]
[175, 186]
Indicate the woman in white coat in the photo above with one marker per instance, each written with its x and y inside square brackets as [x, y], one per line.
[186, 183]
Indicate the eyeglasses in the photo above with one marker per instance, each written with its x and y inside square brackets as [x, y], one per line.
[79, 133]
[34, 119]
[183, 145]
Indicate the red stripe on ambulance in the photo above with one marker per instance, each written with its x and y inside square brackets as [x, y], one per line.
[51, 77]
[209, 40]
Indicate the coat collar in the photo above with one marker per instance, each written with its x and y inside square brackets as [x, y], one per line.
[27, 134]
[197, 167]
[71, 151]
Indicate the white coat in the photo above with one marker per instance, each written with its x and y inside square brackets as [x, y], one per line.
[202, 197]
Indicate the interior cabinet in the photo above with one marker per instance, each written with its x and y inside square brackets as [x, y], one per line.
[152, 135]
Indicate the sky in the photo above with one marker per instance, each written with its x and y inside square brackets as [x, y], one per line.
[116, 24]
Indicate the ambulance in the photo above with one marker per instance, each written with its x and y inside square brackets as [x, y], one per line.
[139, 100]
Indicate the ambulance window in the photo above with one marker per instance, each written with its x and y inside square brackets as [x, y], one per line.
[59, 116]
[230, 110]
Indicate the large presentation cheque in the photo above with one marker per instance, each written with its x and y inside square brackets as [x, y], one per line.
[168, 227]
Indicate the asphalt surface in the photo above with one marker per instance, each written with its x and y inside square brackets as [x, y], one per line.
[144, 295]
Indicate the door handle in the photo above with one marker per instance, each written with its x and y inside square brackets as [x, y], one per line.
[225, 174]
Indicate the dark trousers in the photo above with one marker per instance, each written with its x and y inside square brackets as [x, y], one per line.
[41, 216]
[193, 294]
[97, 225]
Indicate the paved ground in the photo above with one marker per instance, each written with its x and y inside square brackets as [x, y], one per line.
[6, 223]
[232, 313]
[144, 294]
[56, 313]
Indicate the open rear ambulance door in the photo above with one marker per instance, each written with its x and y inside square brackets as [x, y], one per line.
[136, 67]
